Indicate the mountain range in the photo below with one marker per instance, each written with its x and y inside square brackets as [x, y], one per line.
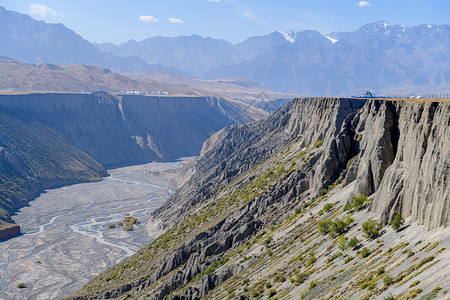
[387, 59]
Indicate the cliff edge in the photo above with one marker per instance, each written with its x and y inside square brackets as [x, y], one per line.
[292, 197]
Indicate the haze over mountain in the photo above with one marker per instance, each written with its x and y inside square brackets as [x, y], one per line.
[31, 41]
[377, 56]
[388, 59]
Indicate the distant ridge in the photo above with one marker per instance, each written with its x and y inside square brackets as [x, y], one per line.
[383, 58]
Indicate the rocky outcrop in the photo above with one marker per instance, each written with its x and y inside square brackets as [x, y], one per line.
[9, 231]
[416, 183]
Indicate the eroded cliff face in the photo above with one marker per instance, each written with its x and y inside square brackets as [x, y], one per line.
[404, 160]
[262, 186]
[121, 130]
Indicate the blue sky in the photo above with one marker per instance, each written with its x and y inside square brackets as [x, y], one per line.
[118, 21]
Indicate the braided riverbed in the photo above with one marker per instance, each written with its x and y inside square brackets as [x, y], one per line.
[66, 239]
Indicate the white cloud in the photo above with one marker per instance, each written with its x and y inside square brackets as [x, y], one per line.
[44, 11]
[213, 0]
[148, 19]
[175, 20]
[363, 4]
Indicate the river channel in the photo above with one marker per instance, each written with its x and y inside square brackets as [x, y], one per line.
[66, 239]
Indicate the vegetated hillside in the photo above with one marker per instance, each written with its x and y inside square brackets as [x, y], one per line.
[298, 206]
[34, 157]
[133, 129]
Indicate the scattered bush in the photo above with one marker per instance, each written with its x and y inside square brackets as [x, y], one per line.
[365, 252]
[353, 243]
[348, 207]
[313, 284]
[343, 242]
[359, 202]
[327, 207]
[389, 297]
[271, 293]
[128, 227]
[323, 192]
[324, 226]
[120, 224]
[312, 259]
[111, 225]
[387, 280]
[381, 271]
[397, 222]
[348, 259]
[268, 285]
[21, 285]
[414, 283]
[371, 229]
[246, 280]
[318, 144]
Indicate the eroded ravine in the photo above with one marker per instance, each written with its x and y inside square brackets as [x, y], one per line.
[66, 238]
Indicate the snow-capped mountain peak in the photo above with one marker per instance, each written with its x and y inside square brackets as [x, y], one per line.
[289, 35]
[331, 39]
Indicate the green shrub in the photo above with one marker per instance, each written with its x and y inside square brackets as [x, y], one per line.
[343, 242]
[111, 225]
[318, 144]
[348, 259]
[389, 297]
[128, 227]
[21, 285]
[271, 293]
[365, 252]
[359, 202]
[312, 259]
[120, 224]
[323, 192]
[268, 285]
[327, 207]
[414, 283]
[387, 280]
[324, 226]
[313, 284]
[371, 229]
[348, 207]
[397, 222]
[353, 243]
[381, 271]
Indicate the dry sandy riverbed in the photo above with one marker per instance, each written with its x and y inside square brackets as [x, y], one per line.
[66, 238]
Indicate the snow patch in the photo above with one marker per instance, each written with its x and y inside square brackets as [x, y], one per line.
[331, 39]
[429, 26]
[404, 28]
[289, 36]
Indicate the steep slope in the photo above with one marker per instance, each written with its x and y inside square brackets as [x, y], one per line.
[133, 129]
[265, 195]
[34, 157]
